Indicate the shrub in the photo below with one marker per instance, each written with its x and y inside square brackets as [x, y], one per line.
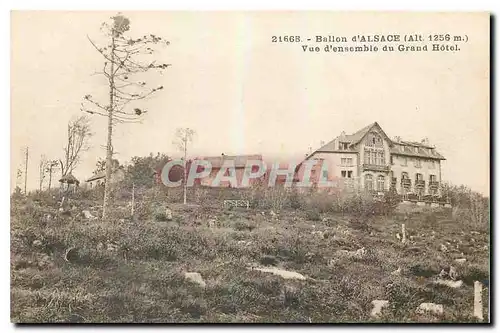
[313, 215]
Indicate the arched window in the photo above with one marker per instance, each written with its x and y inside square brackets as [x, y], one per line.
[374, 140]
[380, 183]
[369, 182]
[404, 175]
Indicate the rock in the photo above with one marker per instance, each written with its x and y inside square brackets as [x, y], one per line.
[378, 305]
[433, 308]
[397, 271]
[449, 283]
[461, 260]
[88, 215]
[37, 243]
[318, 233]
[281, 272]
[443, 248]
[168, 214]
[196, 278]
[452, 273]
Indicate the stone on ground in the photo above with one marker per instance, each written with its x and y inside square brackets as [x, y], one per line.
[449, 283]
[196, 278]
[281, 272]
[436, 309]
[378, 305]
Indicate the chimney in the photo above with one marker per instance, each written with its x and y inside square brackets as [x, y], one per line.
[425, 141]
[397, 138]
[343, 133]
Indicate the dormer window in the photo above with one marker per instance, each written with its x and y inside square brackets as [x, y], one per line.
[343, 145]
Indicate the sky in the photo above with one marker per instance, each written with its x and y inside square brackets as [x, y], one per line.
[243, 94]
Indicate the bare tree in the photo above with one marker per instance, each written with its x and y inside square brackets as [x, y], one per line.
[50, 167]
[79, 135]
[183, 137]
[42, 169]
[124, 63]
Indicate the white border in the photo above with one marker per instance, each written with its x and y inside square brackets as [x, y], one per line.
[6, 6]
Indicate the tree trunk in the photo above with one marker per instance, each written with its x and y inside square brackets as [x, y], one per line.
[109, 152]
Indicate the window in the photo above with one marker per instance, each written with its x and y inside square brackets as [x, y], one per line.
[419, 176]
[404, 161]
[369, 182]
[392, 160]
[367, 156]
[418, 163]
[432, 164]
[404, 175]
[374, 140]
[381, 158]
[349, 174]
[380, 183]
[343, 173]
[325, 174]
[432, 178]
[346, 161]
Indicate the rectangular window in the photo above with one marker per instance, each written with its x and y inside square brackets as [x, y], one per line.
[349, 174]
[367, 156]
[343, 173]
[404, 161]
[432, 165]
[381, 158]
[433, 178]
[346, 161]
[418, 163]
[325, 174]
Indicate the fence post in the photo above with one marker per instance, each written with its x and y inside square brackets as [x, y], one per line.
[478, 300]
[403, 231]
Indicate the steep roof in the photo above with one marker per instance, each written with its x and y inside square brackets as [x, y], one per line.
[400, 147]
[425, 151]
[102, 174]
[98, 175]
[69, 179]
[352, 139]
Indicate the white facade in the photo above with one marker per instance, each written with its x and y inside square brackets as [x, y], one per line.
[374, 162]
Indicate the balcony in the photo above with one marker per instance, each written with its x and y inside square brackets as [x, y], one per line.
[376, 167]
[419, 183]
[434, 185]
[406, 182]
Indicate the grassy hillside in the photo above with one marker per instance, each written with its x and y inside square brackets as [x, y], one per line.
[132, 270]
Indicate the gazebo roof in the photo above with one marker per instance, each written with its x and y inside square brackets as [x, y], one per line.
[69, 179]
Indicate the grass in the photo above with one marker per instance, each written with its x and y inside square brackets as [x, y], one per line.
[139, 277]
